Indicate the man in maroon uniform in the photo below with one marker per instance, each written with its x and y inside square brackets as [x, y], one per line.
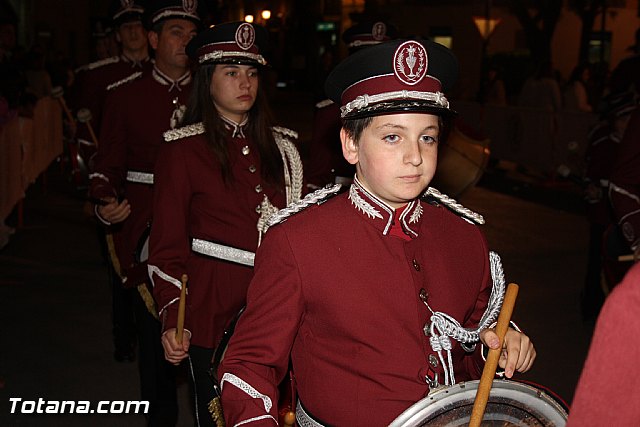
[373, 292]
[137, 111]
[604, 140]
[624, 187]
[325, 164]
[94, 79]
[89, 92]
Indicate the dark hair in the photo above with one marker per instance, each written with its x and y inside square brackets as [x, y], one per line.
[200, 108]
[355, 127]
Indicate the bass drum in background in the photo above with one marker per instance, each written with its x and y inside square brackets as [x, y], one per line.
[511, 403]
[461, 162]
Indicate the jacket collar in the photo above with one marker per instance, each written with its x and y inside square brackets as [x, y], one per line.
[236, 129]
[380, 214]
[165, 80]
[134, 63]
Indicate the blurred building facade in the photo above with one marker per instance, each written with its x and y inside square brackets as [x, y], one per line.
[306, 33]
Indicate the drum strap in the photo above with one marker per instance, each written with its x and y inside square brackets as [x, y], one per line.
[140, 177]
[305, 419]
[223, 252]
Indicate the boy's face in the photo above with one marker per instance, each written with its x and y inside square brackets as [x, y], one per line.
[396, 155]
[132, 35]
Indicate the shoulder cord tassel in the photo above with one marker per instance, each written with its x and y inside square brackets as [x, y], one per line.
[293, 180]
[443, 327]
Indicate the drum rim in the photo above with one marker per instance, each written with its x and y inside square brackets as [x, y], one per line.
[430, 404]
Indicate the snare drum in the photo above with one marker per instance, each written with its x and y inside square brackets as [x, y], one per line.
[511, 403]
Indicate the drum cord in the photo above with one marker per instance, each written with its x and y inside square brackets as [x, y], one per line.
[444, 327]
[293, 178]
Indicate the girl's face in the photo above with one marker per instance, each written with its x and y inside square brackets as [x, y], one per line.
[233, 89]
[396, 155]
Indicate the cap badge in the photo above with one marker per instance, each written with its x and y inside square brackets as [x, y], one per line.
[245, 36]
[126, 4]
[190, 6]
[379, 30]
[410, 62]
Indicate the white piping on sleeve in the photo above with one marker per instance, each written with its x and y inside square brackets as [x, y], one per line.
[248, 389]
[153, 269]
[261, 417]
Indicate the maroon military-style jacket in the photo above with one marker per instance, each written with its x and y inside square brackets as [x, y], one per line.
[611, 355]
[192, 201]
[340, 294]
[136, 115]
[624, 189]
[325, 163]
[600, 155]
[93, 80]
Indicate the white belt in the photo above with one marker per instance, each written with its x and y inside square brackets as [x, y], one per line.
[223, 252]
[140, 177]
[304, 419]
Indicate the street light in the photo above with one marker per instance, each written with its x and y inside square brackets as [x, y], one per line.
[486, 25]
[266, 14]
[248, 18]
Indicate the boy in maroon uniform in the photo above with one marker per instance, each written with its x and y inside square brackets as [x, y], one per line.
[375, 296]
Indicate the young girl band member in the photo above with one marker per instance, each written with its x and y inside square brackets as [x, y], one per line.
[217, 181]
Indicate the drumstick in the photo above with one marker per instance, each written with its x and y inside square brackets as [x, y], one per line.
[181, 309]
[625, 258]
[58, 93]
[489, 371]
[84, 116]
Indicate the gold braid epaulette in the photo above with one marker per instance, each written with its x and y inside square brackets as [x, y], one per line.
[319, 196]
[183, 132]
[285, 131]
[127, 79]
[98, 64]
[453, 205]
[324, 103]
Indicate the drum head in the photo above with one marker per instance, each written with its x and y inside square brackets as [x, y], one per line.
[510, 404]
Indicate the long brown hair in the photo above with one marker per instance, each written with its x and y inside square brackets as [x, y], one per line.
[200, 108]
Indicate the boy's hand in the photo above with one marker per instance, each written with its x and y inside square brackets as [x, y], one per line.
[175, 352]
[518, 353]
[114, 212]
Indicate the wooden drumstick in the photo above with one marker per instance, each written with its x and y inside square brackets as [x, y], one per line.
[626, 258]
[84, 116]
[490, 366]
[57, 92]
[181, 309]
